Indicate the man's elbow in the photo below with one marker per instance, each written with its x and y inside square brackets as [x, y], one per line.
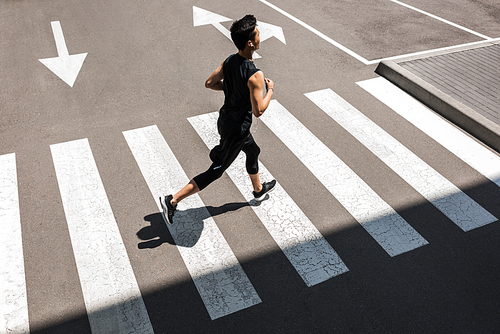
[258, 113]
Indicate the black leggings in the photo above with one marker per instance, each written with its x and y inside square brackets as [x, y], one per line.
[225, 153]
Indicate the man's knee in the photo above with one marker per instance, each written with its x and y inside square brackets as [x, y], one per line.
[217, 172]
[257, 150]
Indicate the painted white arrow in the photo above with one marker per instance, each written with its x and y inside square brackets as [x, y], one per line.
[203, 17]
[268, 30]
[65, 66]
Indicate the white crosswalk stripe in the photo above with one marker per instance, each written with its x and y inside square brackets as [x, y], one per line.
[112, 298]
[304, 246]
[13, 300]
[384, 224]
[217, 274]
[467, 149]
[445, 196]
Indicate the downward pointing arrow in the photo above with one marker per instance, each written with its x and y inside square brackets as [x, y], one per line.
[65, 66]
[204, 17]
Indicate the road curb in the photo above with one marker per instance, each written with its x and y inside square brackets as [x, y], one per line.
[477, 125]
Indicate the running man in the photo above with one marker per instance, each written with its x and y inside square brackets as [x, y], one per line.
[243, 86]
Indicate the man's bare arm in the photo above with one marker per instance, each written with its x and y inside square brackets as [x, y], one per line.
[256, 86]
[214, 81]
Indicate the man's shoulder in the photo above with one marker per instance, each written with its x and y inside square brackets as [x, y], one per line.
[258, 75]
[231, 57]
[256, 79]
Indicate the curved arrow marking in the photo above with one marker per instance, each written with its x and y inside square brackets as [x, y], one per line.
[204, 17]
[65, 66]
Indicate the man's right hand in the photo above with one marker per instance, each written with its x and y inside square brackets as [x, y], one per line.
[269, 84]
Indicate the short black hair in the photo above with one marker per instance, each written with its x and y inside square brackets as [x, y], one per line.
[243, 31]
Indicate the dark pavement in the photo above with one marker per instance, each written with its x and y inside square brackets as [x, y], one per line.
[147, 63]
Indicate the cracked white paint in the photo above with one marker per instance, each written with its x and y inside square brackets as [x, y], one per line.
[304, 246]
[474, 154]
[111, 294]
[384, 224]
[13, 300]
[446, 197]
[217, 274]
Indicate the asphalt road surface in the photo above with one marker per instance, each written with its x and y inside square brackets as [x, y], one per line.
[377, 226]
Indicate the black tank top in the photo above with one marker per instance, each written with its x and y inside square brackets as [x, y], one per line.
[235, 116]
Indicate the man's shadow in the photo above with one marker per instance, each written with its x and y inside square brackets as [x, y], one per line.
[187, 227]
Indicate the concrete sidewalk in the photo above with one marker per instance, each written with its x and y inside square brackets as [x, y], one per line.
[462, 85]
